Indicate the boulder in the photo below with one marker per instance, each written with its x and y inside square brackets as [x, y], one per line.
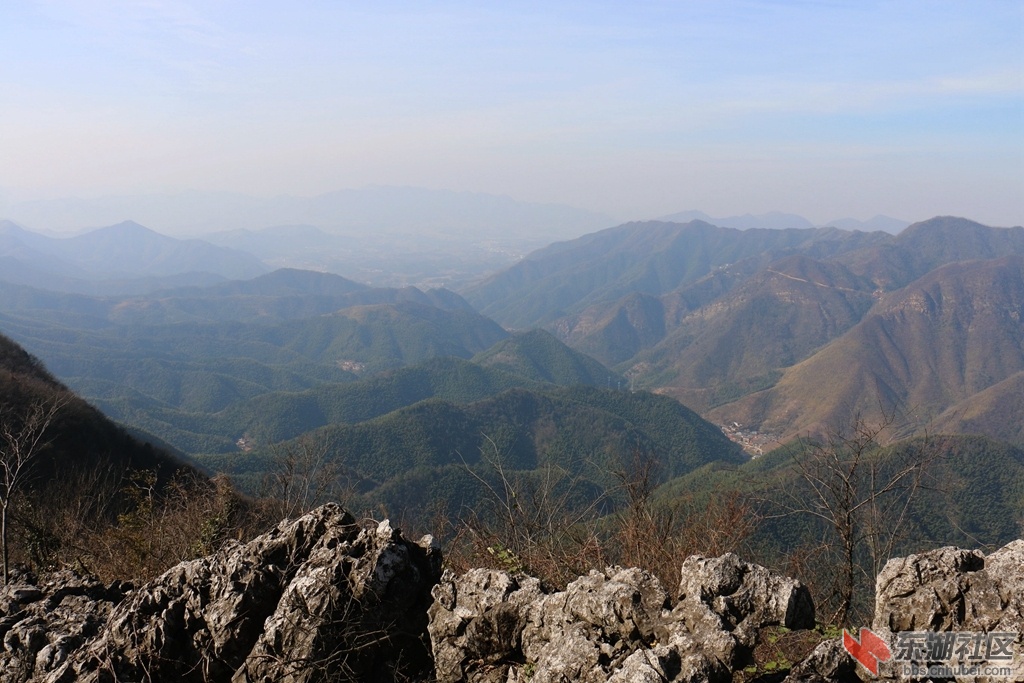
[726, 595]
[317, 596]
[951, 589]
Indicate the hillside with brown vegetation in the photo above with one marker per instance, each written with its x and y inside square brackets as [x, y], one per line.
[789, 332]
[927, 347]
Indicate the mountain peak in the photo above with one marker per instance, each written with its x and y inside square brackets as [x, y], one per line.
[955, 239]
[941, 224]
[125, 230]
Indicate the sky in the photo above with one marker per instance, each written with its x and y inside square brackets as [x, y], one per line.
[824, 108]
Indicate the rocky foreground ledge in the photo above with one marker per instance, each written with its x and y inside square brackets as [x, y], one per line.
[325, 598]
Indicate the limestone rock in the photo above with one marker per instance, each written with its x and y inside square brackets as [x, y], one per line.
[828, 663]
[317, 596]
[618, 624]
[42, 625]
[950, 589]
[324, 598]
[726, 595]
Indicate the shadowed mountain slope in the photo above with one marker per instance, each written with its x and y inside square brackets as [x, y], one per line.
[79, 439]
[539, 356]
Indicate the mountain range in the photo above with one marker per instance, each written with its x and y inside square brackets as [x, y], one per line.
[786, 331]
[747, 326]
[121, 258]
[387, 236]
[639, 343]
[409, 211]
[931, 345]
[777, 220]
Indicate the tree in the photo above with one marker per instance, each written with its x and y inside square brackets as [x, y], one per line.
[24, 431]
[659, 535]
[542, 522]
[862, 501]
[304, 474]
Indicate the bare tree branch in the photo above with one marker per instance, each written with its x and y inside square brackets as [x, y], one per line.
[24, 433]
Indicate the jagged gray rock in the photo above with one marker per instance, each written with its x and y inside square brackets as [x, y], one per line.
[41, 625]
[617, 625]
[827, 663]
[316, 596]
[324, 596]
[950, 589]
[726, 595]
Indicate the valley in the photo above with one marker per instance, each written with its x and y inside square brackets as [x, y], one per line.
[660, 367]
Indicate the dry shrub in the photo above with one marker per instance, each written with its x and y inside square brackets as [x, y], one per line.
[530, 526]
[658, 537]
[56, 521]
[120, 525]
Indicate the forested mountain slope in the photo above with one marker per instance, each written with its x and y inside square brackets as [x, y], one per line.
[648, 258]
[783, 331]
[435, 452]
[79, 439]
[925, 348]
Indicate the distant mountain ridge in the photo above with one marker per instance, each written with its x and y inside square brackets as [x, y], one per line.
[118, 252]
[777, 220]
[386, 236]
[279, 295]
[883, 223]
[786, 330]
[774, 220]
[648, 258]
[392, 209]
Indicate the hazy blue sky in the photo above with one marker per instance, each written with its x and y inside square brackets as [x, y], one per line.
[824, 108]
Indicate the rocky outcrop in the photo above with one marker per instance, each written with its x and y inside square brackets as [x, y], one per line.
[614, 625]
[950, 589]
[322, 597]
[316, 596]
[43, 622]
